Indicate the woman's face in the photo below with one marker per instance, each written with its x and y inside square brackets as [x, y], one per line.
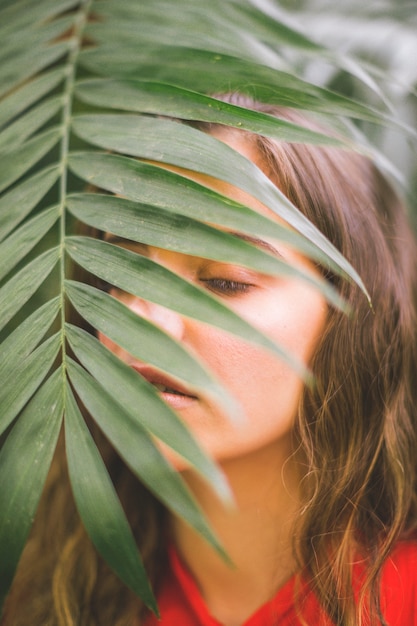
[288, 310]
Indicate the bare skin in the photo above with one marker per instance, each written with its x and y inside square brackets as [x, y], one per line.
[257, 536]
[259, 457]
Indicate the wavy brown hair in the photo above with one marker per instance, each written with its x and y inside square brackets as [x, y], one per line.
[356, 426]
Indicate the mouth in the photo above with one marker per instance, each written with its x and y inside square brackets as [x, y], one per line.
[172, 392]
[165, 389]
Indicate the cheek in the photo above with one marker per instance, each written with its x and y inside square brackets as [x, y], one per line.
[262, 383]
[297, 326]
[267, 388]
[267, 391]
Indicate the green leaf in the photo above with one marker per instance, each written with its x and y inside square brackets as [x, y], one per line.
[141, 402]
[159, 187]
[99, 507]
[162, 99]
[24, 377]
[197, 151]
[139, 451]
[162, 229]
[22, 98]
[206, 71]
[248, 46]
[23, 285]
[19, 201]
[20, 343]
[28, 63]
[272, 25]
[18, 160]
[146, 279]
[241, 25]
[36, 36]
[25, 126]
[23, 13]
[24, 463]
[139, 337]
[21, 242]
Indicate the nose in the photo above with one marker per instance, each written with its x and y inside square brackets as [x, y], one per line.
[169, 321]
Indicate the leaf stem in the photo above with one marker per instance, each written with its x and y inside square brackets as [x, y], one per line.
[80, 20]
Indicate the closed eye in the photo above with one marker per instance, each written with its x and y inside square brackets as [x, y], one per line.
[225, 286]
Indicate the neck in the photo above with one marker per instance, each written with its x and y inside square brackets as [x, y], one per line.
[256, 534]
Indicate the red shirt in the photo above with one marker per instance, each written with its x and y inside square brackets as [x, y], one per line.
[181, 604]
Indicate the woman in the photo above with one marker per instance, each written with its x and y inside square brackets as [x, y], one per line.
[324, 477]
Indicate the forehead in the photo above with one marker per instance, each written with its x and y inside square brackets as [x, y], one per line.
[243, 143]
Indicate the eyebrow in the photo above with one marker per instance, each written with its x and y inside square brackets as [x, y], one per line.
[259, 243]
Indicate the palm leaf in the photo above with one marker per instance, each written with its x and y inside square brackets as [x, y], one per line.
[17, 291]
[134, 135]
[79, 79]
[139, 337]
[124, 428]
[144, 183]
[24, 463]
[98, 504]
[24, 339]
[24, 377]
[172, 101]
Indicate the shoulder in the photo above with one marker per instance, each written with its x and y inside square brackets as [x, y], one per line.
[399, 585]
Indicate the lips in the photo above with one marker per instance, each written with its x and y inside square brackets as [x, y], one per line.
[161, 382]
